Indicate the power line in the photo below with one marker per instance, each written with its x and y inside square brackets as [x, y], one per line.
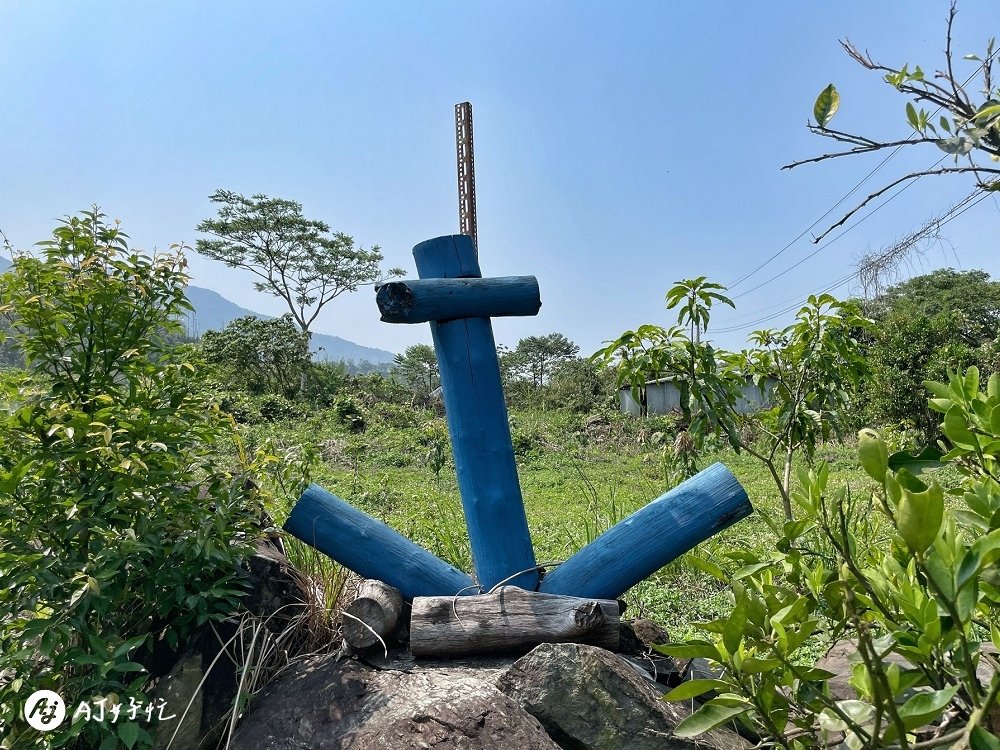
[825, 245]
[805, 231]
[950, 215]
[846, 196]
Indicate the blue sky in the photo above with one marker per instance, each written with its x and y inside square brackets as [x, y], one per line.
[619, 146]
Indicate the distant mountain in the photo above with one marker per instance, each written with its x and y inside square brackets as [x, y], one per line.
[212, 311]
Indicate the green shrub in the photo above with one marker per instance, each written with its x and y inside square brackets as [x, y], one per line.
[324, 382]
[275, 408]
[119, 525]
[349, 413]
[899, 571]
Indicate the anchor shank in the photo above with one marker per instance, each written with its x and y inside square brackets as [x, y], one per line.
[477, 422]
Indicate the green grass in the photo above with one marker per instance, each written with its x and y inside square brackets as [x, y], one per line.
[577, 481]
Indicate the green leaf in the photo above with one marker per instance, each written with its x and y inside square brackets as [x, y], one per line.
[923, 708]
[128, 733]
[873, 454]
[694, 688]
[732, 633]
[920, 515]
[980, 739]
[706, 566]
[911, 116]
[129, 666]
[957, 145]
[709, 716]
[927, 460]
[956, 429]
[941, 390]
[826, 106]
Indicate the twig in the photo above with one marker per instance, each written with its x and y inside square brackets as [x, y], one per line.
[905, 178]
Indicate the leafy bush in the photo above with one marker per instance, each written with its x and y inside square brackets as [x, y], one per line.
[324, 382]
[349, 413]
[119, 525]
[260, 356]
[918, 580]
[274, 408]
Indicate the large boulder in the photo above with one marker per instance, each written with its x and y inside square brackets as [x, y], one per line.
[201, 687]
[567, 696]
[328, 704]
[591, 699]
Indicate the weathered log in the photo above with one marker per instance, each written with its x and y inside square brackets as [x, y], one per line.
[477, 423]
[423, 300]
[373, 615]
[510, 620]
[370, 548]
[651, 537]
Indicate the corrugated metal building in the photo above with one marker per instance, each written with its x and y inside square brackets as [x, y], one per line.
[663, 396]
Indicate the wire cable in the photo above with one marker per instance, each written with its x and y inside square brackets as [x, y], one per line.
[949, 216]
[825, 245]
[848, 195]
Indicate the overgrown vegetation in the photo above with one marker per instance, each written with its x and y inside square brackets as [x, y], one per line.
[916, 590]
[127, 501]
[138, 470]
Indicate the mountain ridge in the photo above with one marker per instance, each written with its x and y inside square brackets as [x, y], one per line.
[212, 311]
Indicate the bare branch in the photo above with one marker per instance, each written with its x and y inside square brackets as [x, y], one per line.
[958, 91]
[905, 178]
[859, 150]
[864, 59]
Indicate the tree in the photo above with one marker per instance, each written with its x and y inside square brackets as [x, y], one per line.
[969, 131]
[536, 356]
[943, 320]
[904, 575]
[811, 363]
[260, 356]
[297, 259]
[123, 514]
[814, 363]
[580, 385]
[695, 298]
[417, 368]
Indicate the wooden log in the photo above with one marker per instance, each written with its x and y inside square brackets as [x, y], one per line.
[370, 548]
[373, 615]
[510, 620]
[477, 422]
[651, 537]
[423, 300]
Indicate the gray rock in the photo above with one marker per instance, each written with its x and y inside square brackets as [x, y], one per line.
[348, 705]
[843, 654]
[201, 687]
[590, 699]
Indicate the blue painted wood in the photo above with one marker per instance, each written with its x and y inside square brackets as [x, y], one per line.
[370, 548]
[477, 422]
[423, 300]
[651, 537]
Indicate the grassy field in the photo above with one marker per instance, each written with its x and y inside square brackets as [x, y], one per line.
[579, 476]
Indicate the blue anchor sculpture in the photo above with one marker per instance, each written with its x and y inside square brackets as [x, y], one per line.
[458, 303]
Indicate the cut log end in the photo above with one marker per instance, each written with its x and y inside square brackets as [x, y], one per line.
[395, 301]
[372, 616]
[589, 616]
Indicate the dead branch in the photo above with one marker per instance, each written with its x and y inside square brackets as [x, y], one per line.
[912, 176]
